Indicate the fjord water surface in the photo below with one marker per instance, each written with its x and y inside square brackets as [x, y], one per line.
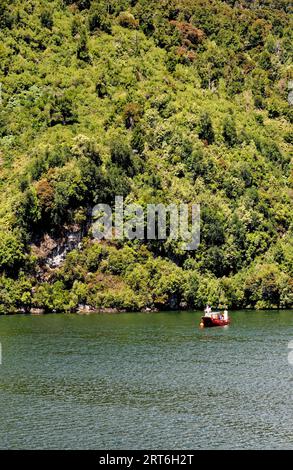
[146, 381]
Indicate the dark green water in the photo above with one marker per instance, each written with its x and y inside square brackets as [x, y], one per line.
[146, 381]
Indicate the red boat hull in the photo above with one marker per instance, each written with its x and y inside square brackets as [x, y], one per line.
[209, 322]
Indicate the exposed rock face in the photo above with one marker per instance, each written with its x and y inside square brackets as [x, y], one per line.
[59, 252]
[51, 252]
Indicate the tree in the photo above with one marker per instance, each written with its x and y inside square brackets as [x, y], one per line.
[11, 252]
[28, 211]
[121, 154]
[258, 32]
[138, 139]
[86, 147]
[6, 18]
[205, 128]
[47, 19]
[229, 131]
[82, 51]
[45, 194]
[131, 114]
[99, 19]
[61, 110]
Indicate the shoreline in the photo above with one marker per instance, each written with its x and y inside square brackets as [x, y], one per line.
[111, 311]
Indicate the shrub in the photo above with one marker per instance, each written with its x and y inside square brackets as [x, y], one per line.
[15, 295]
[54, 297]
[127, 20]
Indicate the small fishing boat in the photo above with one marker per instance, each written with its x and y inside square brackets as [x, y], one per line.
[214, 318]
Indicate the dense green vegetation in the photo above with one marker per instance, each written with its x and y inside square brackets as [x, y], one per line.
[172, 101]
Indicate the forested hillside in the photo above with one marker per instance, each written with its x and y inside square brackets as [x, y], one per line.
[172, 101]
